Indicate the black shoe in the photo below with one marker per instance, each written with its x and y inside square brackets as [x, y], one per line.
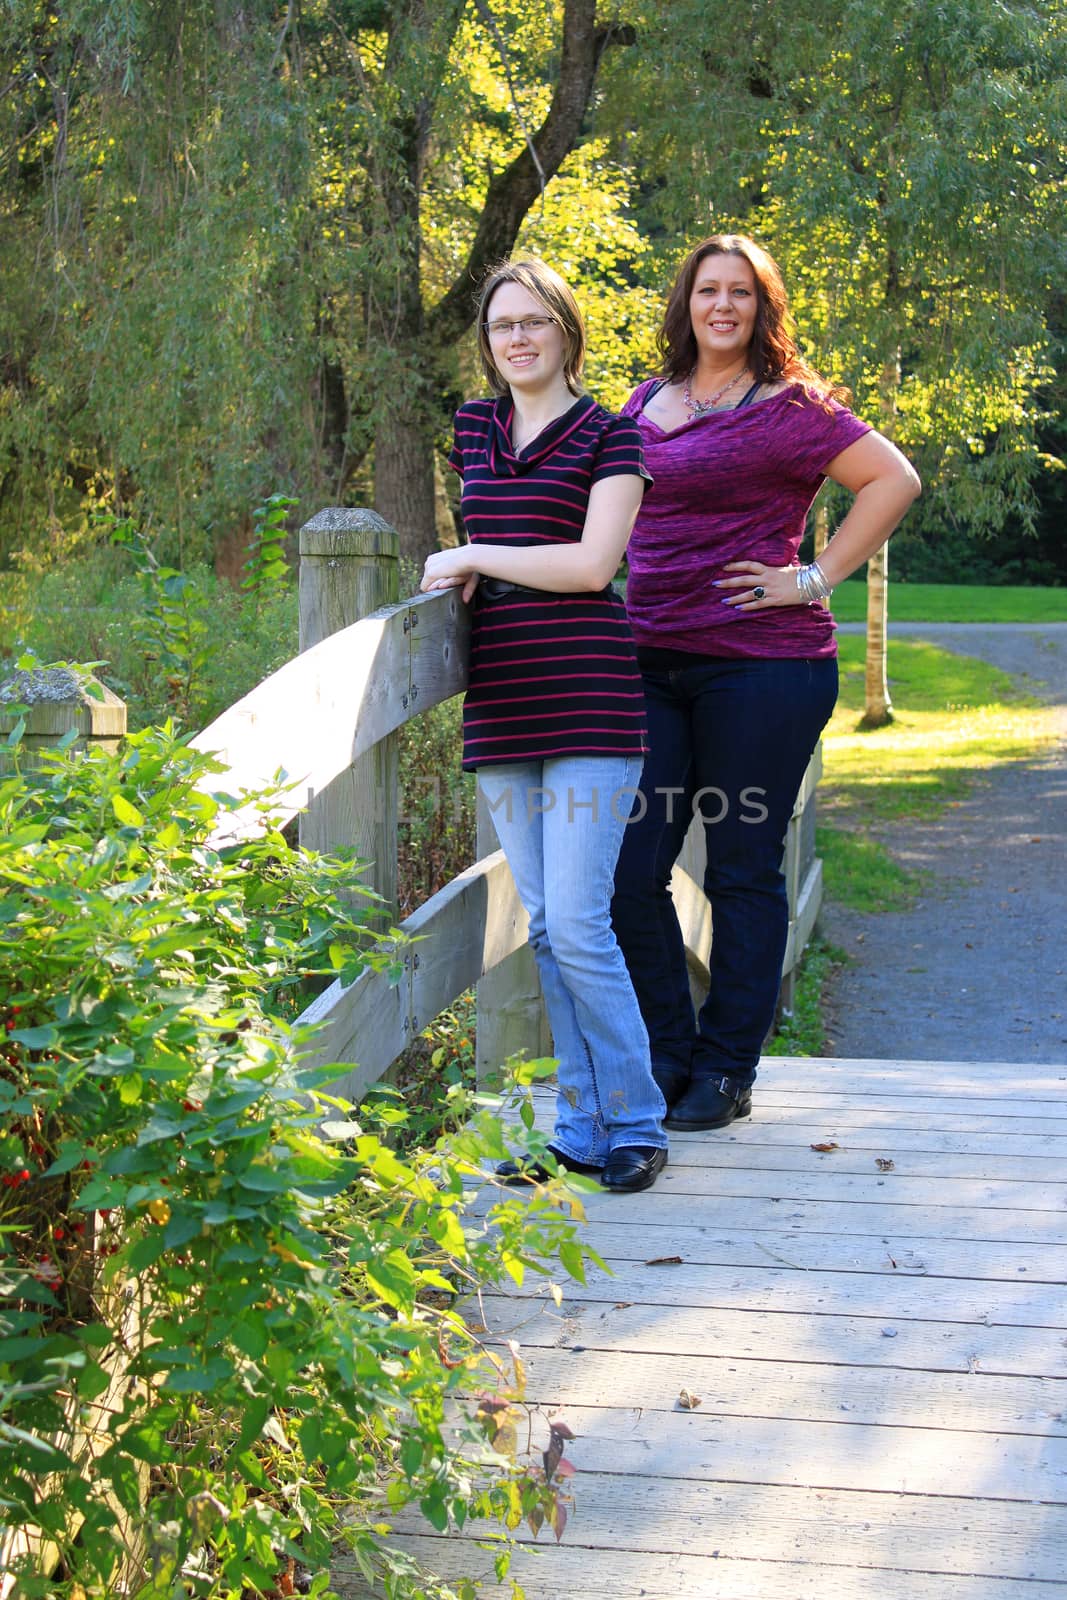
[672, 1080]
[527, 1170]
[710, 1103]
[635, 1166]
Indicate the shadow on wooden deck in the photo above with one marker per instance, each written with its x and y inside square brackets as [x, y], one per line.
[876, 1334]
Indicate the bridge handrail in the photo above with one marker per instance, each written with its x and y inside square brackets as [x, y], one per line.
[328, 720]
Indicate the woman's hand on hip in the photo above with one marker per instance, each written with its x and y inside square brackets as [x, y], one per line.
[757, 587]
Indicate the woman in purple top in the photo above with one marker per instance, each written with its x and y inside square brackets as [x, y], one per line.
[553, 720]
[736, 650]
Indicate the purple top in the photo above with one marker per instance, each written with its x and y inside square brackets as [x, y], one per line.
[730, 486]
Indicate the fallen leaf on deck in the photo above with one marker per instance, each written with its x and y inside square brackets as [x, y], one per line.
[664, 1261]
[883, 1163]
[623, 1305]
[827, 1145]
[687, 1401]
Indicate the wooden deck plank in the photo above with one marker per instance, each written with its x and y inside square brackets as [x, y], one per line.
[834, 1527]
[1041, 1162]
[828, 1179]
[765, 1287]
[904, 1256]
[730, 1387]
[574, 1571]
[661, 1209]
[907, 1120]
[863, 1342]
[961, 1077]
[652, 1440]
[843, 1340]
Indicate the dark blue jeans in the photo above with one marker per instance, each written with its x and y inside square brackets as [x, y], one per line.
[730, 739]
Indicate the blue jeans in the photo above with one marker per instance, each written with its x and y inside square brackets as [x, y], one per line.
[560, 823]
[731, 739]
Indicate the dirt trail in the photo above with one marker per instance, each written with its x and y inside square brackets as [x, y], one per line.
[977, 967]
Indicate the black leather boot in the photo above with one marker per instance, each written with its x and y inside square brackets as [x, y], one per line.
[710, 1103]
[672, 1080]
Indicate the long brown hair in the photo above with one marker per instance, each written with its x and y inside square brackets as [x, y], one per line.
[546, 285]
[773, 356]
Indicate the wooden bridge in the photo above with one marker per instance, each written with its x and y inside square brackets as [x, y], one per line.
[830, 1359]
[836, 1373]
[328, 721]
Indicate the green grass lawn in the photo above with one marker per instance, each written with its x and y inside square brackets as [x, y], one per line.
[955, 719]
[948, 602]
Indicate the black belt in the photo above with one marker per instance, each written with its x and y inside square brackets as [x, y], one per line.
[497, 588]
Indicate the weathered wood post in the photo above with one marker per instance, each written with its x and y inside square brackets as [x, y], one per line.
[511, 1012]
[349, 567]
[55, 702]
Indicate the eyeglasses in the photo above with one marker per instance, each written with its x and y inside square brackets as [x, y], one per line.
[500, 330]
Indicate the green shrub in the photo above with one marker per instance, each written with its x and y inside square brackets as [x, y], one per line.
[96, 609]
[283, 1293]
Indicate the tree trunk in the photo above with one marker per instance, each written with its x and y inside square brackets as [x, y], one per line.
[421, 34]
[403, 482]
[403, 446]
[878, 707]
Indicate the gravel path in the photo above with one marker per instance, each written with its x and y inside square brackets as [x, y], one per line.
[977, 968]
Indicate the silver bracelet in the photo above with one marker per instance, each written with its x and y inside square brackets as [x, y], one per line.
[813, 583]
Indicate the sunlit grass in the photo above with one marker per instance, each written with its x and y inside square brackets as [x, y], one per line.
[954, 602]
[955, 718]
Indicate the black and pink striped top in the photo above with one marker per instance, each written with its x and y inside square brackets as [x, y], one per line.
[554, 676]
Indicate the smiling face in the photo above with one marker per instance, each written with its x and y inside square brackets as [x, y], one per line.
[723, 306]
[527, 359]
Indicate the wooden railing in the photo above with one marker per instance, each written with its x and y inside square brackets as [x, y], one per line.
[328, 721]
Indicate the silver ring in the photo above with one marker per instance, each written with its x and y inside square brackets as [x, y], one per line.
[759, 591]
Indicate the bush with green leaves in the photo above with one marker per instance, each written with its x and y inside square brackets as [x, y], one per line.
[95, 608]
[233, 1279]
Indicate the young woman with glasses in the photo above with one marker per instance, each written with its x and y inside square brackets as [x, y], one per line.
[553, 720]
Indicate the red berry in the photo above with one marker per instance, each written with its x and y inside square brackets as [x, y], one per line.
[24, 1175]
[58, 1233]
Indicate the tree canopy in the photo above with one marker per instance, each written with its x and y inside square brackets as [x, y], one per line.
[240, 242]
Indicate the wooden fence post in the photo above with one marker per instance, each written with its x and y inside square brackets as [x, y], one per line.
[349, 567]
[511, 1011]
[56, 701]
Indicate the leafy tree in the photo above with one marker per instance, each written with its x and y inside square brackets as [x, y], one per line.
[906, 165]
[227, 202]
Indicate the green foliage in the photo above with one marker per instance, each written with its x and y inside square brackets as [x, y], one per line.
[172, 625]
[436, 825]
[802, 1031]
[436, 1067]
[93, 609]
[183, 1203]
[862, 874]
[266, 567]
[225, 240]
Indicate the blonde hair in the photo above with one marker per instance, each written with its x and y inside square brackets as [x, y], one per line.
[546, 285]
